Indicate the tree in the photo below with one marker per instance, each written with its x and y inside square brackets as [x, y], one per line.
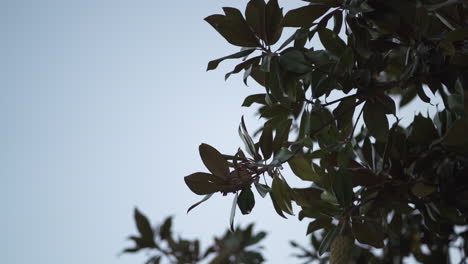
[380, 185]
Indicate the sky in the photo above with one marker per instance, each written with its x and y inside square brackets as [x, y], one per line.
[103, 105]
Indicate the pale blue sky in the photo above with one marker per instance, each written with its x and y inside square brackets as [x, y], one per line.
[103, 105]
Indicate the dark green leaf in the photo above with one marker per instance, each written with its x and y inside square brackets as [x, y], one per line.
[332, 42]
[304, 16]
[422, 190]
[233, 28]
[246, 201]
[266, 142]
[252, 62]
[318, 224]
[254, 98]
[294, 61]
[203, 183]
[214, 160]
[255, 16]
[281, 194]
[302, 168]
[387, 103]
[143, 225]
[282, 134]
[214, 63]
[343, 189]
[274, 16]
[165, 229]
[368, 233]
[376, 120]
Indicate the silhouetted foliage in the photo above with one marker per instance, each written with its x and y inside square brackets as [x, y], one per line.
[381, 185]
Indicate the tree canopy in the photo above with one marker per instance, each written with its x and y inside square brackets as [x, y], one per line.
[403, 189]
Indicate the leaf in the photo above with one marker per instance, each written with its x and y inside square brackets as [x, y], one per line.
[422, 190]
[455, 138]
[274, 16]
[337, 21]
[233, 27]
[281, 194]
[248, 142]
[332, 42]
[318, 224]
[376, 120]
[343, 189]
[257, 238]
[388, 104]
[328, 239]
[254, 98]
[214, 160]
[214, 63]
[208, 196]
[203, 183]
[369, 234]
[255, 17]
[233, 212]
[266, 142]
[276, 206]
[165, 229]
[143, 226]
[282, 134]
[330, 3]
[302, 168]
[246, 201]
[252, 62]
[422, 95]
[262, 189]
[304, 16]
[294, 61]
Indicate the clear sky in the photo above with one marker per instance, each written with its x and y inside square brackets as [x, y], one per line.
[103, 105]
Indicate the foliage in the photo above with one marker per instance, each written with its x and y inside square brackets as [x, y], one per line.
[239, 246]
[381, 185]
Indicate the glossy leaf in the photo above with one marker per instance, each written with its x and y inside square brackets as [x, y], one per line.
[266, 142]
[246, 201]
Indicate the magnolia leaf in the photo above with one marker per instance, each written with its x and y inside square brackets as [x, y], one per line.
[203, 183]
[246, 201]
[369, 234]
[332, 42]
[376, 120]
[422, 190]
[214, 161]
[303, 169]
[208, 196]
[318, 224]
[214, 63]
[304, 16]
[233, 212]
